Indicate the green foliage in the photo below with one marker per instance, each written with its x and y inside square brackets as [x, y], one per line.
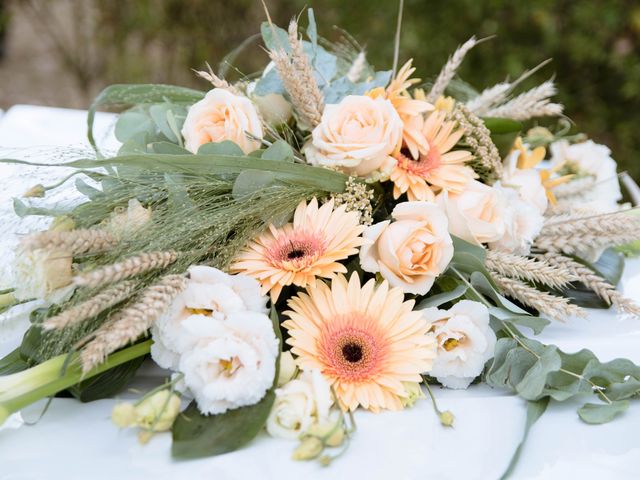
[107, 384]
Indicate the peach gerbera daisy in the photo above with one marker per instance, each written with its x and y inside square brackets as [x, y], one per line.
[312, 246]
[437, 167]
[409, 109]
[366, 340]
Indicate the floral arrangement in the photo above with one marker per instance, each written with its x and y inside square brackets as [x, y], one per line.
[319, 238]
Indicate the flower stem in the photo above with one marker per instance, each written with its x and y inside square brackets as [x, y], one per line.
[51, 377]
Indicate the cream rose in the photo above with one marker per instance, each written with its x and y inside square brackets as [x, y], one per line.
[210, 293]
[301, 403]
[231, 362]
[475, 215]
[358, 134]
[220, 116]
[411, 251]
[522, 222]
[465, 342]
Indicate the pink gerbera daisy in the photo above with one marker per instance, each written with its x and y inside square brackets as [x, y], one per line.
[312, 246]
[366, 340]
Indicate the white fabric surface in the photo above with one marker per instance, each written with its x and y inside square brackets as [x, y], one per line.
[76, 440]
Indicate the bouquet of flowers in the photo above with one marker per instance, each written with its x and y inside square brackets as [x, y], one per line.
[317, 238]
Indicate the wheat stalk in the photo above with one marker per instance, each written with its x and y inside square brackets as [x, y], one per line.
[128, 268]
[449, 70]
[532, 270]
[217, 81]
[595, 283]
[487, 158]
[530, 104]
[92, 307]
[571, 234]
[554, 307]
[357, 67]
[132, 321]
[75, 242]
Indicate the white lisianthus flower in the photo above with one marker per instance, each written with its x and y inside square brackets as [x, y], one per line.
[127, 222]
[221, 116]
[526, 182]
[590, 158]
[288, 368]
[209, 292]
[231, 362]
[465, 342]
[358, 135]
[522, 222]
[299, 405]
[42, 274]
[475, 215]
[410, 251]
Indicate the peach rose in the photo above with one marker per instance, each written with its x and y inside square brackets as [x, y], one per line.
[358, 134]
[411, 251]
[220, 116]
[475, 215]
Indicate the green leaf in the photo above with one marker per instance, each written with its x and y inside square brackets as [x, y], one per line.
[12, 363]
[312, 28]
[249, 182]
[278, 151]
[21, 209]
[168, 148]
[226, 147]
[162, 114]
[197, 436]
[87, 190]
[597, 413]
[132, 123]
[609, 266]
[504, 132]
[122, 95]
[439, 299]
[107, 384]
[534, 412]
[274, 37]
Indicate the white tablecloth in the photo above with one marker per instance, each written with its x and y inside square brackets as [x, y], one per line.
[76, 440]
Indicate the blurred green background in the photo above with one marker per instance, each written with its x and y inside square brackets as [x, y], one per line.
[61, 52]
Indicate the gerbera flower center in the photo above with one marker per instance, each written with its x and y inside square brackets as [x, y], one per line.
[423, 165]
[352, 352]
[296, 250]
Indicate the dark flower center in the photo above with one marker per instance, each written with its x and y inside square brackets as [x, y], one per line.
[352, 352]
[296, 253]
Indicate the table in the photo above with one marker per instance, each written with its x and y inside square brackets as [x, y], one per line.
[76, 440]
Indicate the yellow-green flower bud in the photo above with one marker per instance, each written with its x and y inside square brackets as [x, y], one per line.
[446, 418]
[123, 414]
[37, 191]
[158, 412]
[62, 223]
[414, 393]
[288, 368]
[309, 448]
[331, 433]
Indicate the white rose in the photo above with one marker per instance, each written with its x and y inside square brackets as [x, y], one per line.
[411, 251]
[231, 362]
[220, 116]
[589, 158]
[475, 215]
[358, 134]
[522, 221]
[211, 293]
[465, 342]
[301, 403]
[527, 183]
[42, 274]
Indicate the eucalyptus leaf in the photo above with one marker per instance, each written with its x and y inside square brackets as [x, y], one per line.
[312, 28]
[439, 299]
[278, 151]
[132, 123]
[274, 37]
[250, 182]
[22, 210]
[341, 87]
[158, 113]
[597, 413]
[87, 190]
[168, 148]
[123, 95]
[227, 147]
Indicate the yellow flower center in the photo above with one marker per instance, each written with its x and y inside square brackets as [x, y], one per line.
[450, 343]
[200, 311]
